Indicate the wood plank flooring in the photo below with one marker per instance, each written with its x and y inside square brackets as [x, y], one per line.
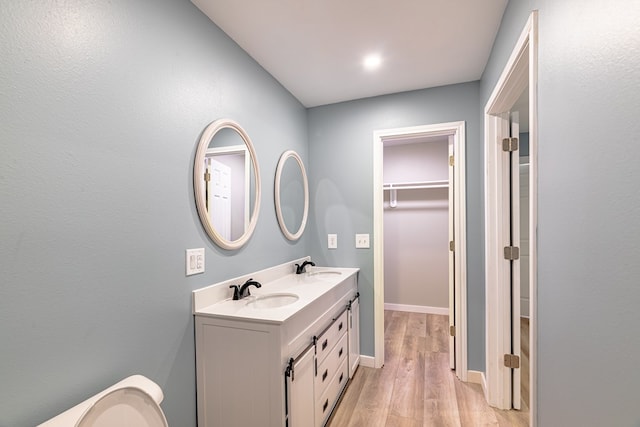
[416, 388]
[524, 356]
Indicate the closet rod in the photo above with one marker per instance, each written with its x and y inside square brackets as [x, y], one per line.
[394, 187]
[416, 185]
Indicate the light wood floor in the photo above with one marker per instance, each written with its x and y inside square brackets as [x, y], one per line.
[524, 356]
[416, 387]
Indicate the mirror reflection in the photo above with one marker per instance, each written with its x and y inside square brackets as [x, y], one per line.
[291, 195]
[229, 184]
[226, 181]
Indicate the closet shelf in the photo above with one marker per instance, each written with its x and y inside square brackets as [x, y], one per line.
[394, 187]
[418, 185]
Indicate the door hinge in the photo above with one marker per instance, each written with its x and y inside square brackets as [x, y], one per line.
[452, 245]
[207, 177]
[451, 161]
[452, 330]
[512, 361]
[511, 253]
[509, 144]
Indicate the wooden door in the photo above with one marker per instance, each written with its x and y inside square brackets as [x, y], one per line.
[219, 202]
[515, 263]
[452, 260]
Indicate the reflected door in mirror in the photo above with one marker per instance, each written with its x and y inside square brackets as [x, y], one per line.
[228, 205]
[218, 196]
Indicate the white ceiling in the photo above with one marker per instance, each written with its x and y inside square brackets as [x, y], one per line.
[315, 48]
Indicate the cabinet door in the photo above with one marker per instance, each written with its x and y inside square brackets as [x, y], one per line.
[354, 336]
[300, 385]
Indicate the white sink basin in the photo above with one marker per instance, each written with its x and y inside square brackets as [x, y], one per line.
[272, 301]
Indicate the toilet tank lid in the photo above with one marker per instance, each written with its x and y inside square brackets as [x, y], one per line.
[70, 416]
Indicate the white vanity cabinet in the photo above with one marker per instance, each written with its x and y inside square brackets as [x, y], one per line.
[319, 393]
[332, 371]
[354, 334]
[300, 389]
[276, 367]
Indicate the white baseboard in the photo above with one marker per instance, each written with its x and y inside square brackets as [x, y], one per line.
[477, 377]
[417, 308]
[367, 361]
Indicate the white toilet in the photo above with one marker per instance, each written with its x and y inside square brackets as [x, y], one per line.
[133, 402]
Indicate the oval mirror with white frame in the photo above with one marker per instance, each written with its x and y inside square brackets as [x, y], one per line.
[226, 182]
[291, 195]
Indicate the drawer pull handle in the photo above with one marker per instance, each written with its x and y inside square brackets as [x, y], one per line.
[341, 376]
[326, 404]
[324, 376]
[340, 353]
[324, 344]
[340, 326]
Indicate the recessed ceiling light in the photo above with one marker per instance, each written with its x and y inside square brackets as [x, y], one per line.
[371, 62]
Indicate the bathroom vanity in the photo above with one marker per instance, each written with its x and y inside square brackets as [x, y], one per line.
[280, 357]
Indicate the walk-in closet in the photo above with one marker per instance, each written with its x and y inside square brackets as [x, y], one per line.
[416, 224]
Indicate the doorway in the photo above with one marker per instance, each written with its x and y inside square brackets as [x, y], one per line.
[510, 121]
[416, 225]
[454, 131]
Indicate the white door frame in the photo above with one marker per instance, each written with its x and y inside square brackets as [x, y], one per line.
[457, 130]
[521, 70]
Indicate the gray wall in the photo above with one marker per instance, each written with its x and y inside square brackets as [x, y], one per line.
[589, 206]
[523, 148]
[102, 105]
[340, 149]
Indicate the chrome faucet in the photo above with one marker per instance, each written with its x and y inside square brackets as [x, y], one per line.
[301, 268]
[242, 291]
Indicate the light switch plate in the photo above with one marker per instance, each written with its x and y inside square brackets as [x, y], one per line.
[362, 241]
[332, 241]
[195, 261]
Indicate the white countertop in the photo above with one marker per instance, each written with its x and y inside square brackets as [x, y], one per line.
[309, 286]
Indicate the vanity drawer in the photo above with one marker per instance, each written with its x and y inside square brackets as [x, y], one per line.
[328, 339]
[331, 364]
[325, 404]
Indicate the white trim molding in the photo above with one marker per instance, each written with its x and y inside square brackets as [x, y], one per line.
[457, 131]
[367, 361]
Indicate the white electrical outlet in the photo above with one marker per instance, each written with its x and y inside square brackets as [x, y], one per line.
[332, 241]
[195, 261]
[362, 241]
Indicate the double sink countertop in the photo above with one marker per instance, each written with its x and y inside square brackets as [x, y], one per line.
[282, 295]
